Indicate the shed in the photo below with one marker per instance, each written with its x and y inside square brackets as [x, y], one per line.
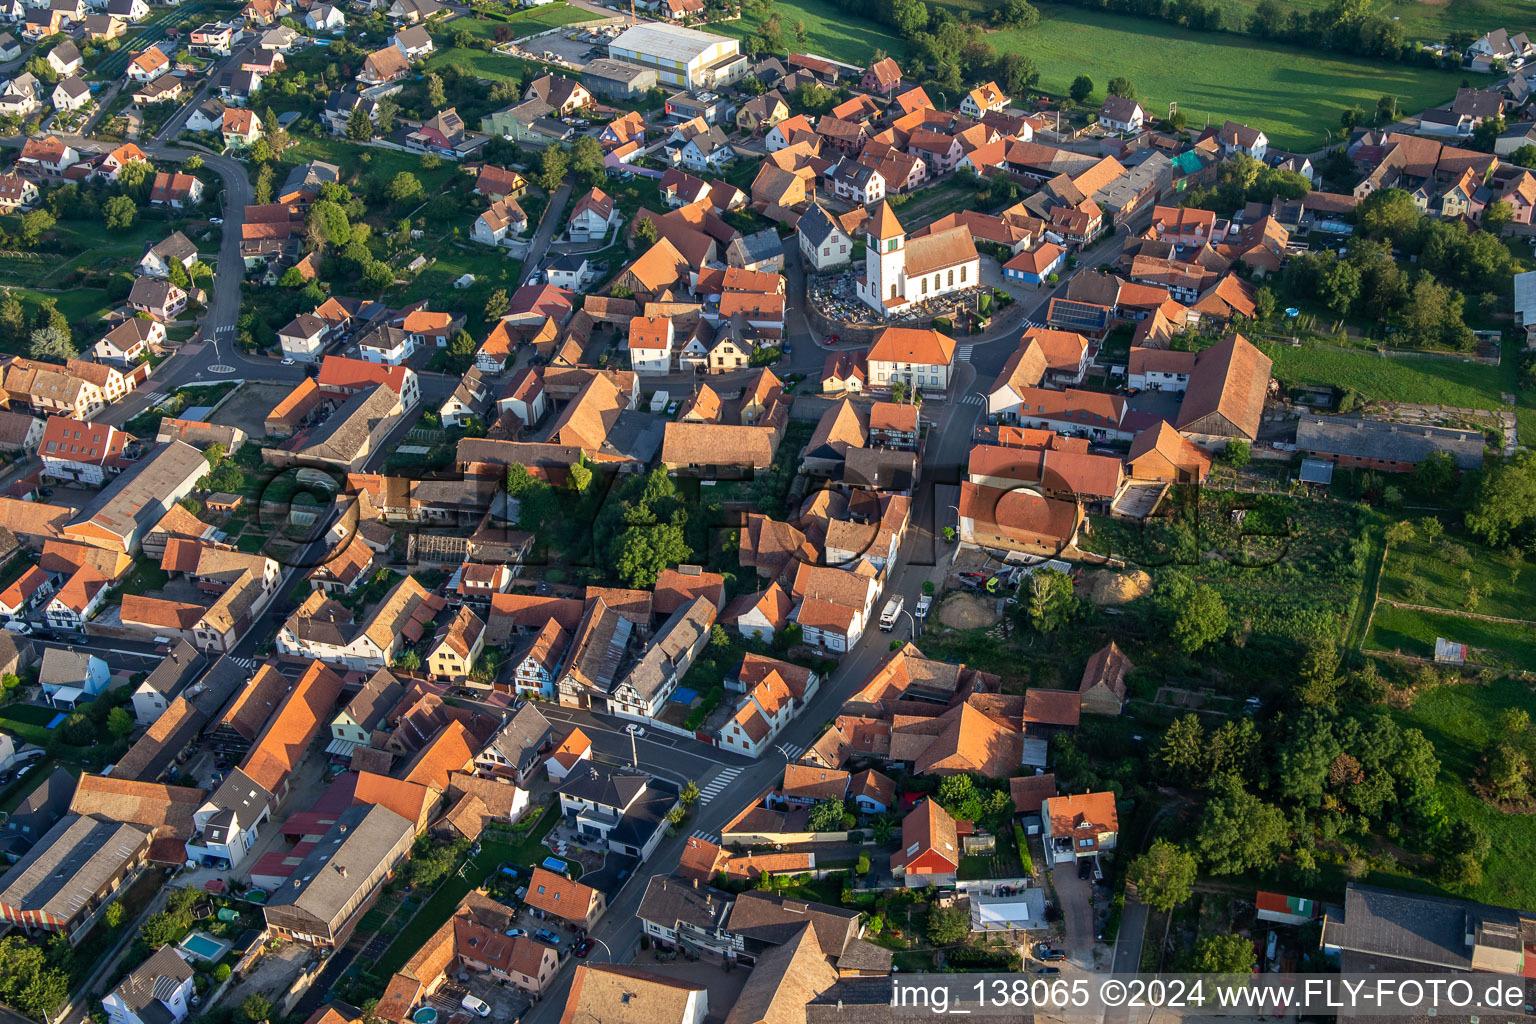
[465, 282]
[659, 402]
[1272, 906]
[1316, 471]
[1449, 653]
[1023, 912]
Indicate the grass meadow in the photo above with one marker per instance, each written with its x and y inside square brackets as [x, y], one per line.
[1291, 93]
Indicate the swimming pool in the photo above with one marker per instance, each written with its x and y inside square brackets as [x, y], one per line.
[205, 946]
[683, 695]
[425, 1015]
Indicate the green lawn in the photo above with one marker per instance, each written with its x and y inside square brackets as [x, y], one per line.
[1461, 722]
[1419, 560]
[453, 259]
[356, 161]
[1414, 632]
[1290, 93]
[1433, 381]
[828, 31]
[524, 23]
[496, 67]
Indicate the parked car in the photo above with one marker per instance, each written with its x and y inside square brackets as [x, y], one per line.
[18, 627]
[1085, 869]
[583, 947]
[1049, 970]
[476, 1005]
[545, 935]
[517, 933]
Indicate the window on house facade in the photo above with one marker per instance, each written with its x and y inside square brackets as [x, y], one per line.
[951, 278]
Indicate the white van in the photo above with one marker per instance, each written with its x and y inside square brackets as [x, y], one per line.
[889, 616]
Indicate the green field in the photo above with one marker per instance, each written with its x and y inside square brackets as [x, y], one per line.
[828, 31]
[1420, 19]
[527, 23]
[1461, 722]
[1499, 643]
[1292, 94]
[1432, 381]
[1419, 560]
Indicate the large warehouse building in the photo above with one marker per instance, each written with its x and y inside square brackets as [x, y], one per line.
[681, 56]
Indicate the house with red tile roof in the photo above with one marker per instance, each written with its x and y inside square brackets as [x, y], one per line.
[1079, 826]
[559, 897]
[307, 709]
[930, 847]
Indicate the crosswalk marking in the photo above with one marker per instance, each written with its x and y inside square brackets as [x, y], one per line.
[973, 399]
[719, 782]
[708, 837]
[792, 753]
[964, 354]
[155, 396]
[249, 664]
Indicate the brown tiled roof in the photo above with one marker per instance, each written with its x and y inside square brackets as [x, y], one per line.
[558, 895]
[164, 810]
[1230, 380]
[1052, 707]
[255, 703]
[912, 345]
[814, 783]
[449, 751]
[613, 994]
[308, 708]
[1031, 791]
[928, 827]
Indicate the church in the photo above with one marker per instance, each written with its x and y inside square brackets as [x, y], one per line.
[899, 270]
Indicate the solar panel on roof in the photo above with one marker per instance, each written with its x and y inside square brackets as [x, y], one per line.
[1067, 313]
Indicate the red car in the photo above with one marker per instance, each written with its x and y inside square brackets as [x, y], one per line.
[583, 947]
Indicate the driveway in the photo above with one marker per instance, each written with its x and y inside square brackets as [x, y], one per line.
[1073, 893]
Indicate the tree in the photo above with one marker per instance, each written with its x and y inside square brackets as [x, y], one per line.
[118, 213]
[1525, 156]
[1183, 749]
[408, 660]
[404, 187]
[1238, 832]
[1505, 502]
[1237, 453]
[519, 479]
[1508, 774]
[645, 231]
[579, 476]
[385, 112]
[52, 344]
[1387, 213]
[1497, 216]
[359, 124]
[1223, 954]
[1081, 88]
[948, 925]
[436, 97]
[162, 928]
[119, 722]
[586, 160]
[1121, 86]
[908, 16]
[377, 276]
[1052, 599]
[825, 816]
[263, 186]
[1434, 473]
[496, 306]
[1016, 73]
[328, 224]
[690, 794]
[1164, 875]
[646, 547]
[114, 914]
[1198, 614]
[33, 224]
[1264, 303]
[553, 165]
[256, 1008]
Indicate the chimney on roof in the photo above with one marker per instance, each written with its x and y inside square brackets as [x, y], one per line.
[341, 869]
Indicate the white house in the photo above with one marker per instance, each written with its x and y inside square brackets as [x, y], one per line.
[1121, 115]
[823, 242]
[707, 151]
[71, 94]
[651, 340]
[229, 823]
[835, 606]
[650, 683]
[303, 338]
[1239, 138]
[920, 359]
[325, 18]
[983, 99]
[572, 270]
[77, 601]
[158, 991]
[324, 630]
[129, 340]
[592, 216]
[65, 59]
[501, 223]
[67, 677]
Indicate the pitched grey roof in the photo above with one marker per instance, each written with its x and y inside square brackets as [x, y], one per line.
[179, 667]
[600, 784]
[344, 865]
[773, 920]
[135, 501]
[817, 225]
[670, 901]
[670, 653]
[1417, 928]
[1359, 437]
[523, 736]
[70, 865]
[153, 981]
[64, 668]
